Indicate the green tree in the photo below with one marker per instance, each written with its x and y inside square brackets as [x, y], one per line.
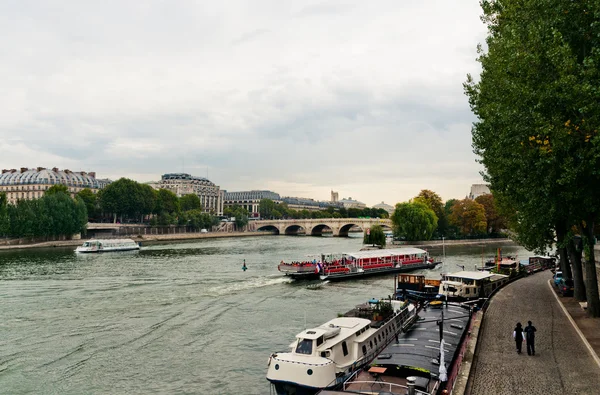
[4, 218]
[265, 208]
[469, 217]
[434, 202]
[57, 188]
[414, 221]
[90, 200]
[494, 221]
[375, 236]
[538, 120]
[190, 202]
[166, 202]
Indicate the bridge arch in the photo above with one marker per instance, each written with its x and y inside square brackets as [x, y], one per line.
[269, 228]
[317, 230]
[294, 229]
[344, 229]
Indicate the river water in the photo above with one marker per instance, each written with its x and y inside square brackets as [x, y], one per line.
[178, 318]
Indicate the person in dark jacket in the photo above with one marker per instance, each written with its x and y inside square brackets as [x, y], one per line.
[518, 336]
[530, 337]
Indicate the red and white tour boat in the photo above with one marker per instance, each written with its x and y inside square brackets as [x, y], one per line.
[336, 267]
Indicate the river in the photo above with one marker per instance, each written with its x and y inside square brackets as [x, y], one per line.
[180, 318]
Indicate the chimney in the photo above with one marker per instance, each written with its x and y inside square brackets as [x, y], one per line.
[67, 171]
[24, 169]
[55, 169]
[83, 173]
[92, 174]
[13, 170]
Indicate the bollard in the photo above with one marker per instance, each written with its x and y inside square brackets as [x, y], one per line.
[410, 381]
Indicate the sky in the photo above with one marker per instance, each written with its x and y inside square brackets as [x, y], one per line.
[298, 97]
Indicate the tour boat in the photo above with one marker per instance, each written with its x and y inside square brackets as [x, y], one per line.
[325, 356]
[336, 267]
[471, 284]
[108, 245]
[425, 360]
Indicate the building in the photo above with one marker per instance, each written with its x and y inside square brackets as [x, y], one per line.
[250, 200]
[386, 207]
[351, 203]
[335, 197]
[296, 203]
[181, 184]
[33, 183]
[478, 190]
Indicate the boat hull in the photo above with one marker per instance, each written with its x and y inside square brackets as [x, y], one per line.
[106, 250]
[379, 272]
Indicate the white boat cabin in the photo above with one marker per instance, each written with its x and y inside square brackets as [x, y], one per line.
[471, 284]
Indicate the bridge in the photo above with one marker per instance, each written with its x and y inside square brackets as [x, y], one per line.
[316, 227]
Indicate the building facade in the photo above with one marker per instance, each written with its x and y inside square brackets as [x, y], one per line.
[351, 203]
[181, 184]
[250, 200]
[386, 207]
[33, 183]
[296, 203]
[478, 190]
[335, 197]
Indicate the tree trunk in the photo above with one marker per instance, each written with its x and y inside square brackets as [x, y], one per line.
[591, 278]
[561, 230]
[578, 282]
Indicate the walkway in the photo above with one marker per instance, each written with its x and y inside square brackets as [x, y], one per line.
[562, 363]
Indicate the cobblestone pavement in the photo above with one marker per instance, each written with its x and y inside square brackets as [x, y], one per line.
[561, 365]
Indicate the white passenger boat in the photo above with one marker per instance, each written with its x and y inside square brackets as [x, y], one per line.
[325, 356]
[471, 284]
[108, 245]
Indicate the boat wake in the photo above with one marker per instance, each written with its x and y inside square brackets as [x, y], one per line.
[257, 282]
[318, 285]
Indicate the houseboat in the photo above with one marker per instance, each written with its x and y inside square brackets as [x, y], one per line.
[108, 245]
[470, 284]
[325, 356]
[537, 263]
[415, 287]
[335, 267]
[418, 359]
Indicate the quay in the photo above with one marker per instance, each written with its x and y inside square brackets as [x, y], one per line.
[567, 344]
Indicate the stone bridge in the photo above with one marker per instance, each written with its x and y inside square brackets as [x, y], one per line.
[316, 227]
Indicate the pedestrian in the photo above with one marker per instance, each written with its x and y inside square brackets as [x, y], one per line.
[518, 336]
[530, 337]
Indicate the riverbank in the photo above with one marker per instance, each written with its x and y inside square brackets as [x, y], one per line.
[144, 239]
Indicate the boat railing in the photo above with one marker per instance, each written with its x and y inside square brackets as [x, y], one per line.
[383, 385]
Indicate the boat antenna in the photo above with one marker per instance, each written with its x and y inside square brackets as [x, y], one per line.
[304, 319]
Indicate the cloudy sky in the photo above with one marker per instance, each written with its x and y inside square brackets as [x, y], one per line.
[298, 97]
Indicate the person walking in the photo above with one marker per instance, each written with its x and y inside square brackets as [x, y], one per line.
[530, 337]
[518, 336]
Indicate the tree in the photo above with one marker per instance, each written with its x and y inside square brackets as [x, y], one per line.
[434, 202]
[4, 218]
[469, 217]
[190, 202]
[495, 222]
[90, 200]
[166, 202]
[375, 236]
[414, 221]
[57, 188]
[265, 208]
[538, 120]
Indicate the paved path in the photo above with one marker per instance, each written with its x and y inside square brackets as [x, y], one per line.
[561, 365]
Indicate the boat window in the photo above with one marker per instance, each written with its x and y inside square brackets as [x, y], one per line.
[319, 341]
[304, 347]
[357, 333]
[326, 354]
[467, 291]
[370, 344]
[345, 348]
[375, 341]
[364, 350]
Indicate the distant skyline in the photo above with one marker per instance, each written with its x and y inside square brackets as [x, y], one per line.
[297, 97]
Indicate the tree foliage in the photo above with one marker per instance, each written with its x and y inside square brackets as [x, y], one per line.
[414, 221]
[469, 217]
[434, 202]
[265, 208]
[91, 202]
[538, 111]
[375, 236]
[190, 202]
[494, 221]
